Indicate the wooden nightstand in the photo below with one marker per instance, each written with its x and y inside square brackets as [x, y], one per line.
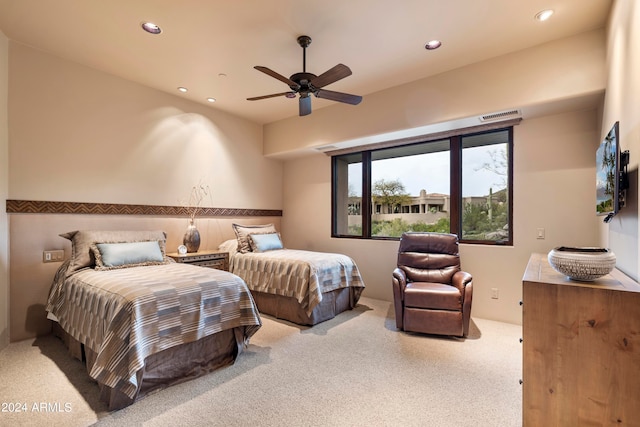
[211, 259]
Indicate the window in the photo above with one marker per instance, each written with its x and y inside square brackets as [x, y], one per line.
[350, 175]
[406, 176]
[485, 187]
[461, 185]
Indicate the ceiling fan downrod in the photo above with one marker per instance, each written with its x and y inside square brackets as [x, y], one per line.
[304, 42]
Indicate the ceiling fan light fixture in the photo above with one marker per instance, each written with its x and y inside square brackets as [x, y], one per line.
[543, 15]
[151, 28]
[433, 44]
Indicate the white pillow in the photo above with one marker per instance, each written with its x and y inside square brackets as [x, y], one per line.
[230, 246]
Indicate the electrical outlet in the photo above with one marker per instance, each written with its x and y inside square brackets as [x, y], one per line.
[53, 256]
[494, 293]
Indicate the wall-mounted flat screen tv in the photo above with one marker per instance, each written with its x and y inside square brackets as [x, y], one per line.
[610, 174]
[607, 173]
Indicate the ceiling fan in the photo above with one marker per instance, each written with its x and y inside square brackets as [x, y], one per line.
[306, 83]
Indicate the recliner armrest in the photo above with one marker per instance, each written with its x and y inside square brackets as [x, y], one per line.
[399, 282]
[461, 279]
[400, 276]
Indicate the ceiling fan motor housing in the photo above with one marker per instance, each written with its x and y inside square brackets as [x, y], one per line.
[302, 79]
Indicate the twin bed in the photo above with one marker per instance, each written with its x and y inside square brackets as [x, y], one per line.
[142, 322]
[303, 287]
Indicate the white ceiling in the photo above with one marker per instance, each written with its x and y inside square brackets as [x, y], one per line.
[381, 41]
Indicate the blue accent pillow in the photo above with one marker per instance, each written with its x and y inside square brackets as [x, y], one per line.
[129, 254]
[265, 242]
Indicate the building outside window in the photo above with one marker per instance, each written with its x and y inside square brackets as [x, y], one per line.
[461, 185]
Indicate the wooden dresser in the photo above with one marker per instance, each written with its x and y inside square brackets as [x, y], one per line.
[581, 349]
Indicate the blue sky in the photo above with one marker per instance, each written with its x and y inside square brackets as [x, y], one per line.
[431, 172]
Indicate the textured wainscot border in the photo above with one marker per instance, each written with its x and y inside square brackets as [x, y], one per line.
[35, 206]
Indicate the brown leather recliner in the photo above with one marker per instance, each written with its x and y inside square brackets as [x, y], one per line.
[431, 294]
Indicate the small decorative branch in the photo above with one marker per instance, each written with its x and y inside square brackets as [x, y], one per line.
[198, 193]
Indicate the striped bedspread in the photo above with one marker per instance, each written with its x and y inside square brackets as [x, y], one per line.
[127, 314]
[303, 275]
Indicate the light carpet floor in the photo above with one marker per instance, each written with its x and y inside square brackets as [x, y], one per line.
[353, 370]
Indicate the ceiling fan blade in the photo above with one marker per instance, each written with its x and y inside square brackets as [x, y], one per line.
[256, 98]
[280, 77]
[336, 73]
[338, 96]
[305, 105]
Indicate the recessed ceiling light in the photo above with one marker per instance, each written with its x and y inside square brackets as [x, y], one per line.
[211, 99]
[182, 89]
[433, 44]
[152, 28]
[543, 15]
[222, 75]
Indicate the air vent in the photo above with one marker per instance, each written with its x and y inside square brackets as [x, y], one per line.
[325, 148]
[510, 114]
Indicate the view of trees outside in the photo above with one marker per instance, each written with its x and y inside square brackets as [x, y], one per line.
[390, 195]
[485, 217]
[398, 181]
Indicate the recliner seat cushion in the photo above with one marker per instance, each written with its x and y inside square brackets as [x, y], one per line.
[436, 296]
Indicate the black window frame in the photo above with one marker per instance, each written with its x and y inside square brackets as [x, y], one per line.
[455, 198]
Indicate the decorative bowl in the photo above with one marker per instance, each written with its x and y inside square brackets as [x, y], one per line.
[585, 264]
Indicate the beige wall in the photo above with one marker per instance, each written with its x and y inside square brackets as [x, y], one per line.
[621, 104]
[554, 170]
[81, 135]
[4, 190]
